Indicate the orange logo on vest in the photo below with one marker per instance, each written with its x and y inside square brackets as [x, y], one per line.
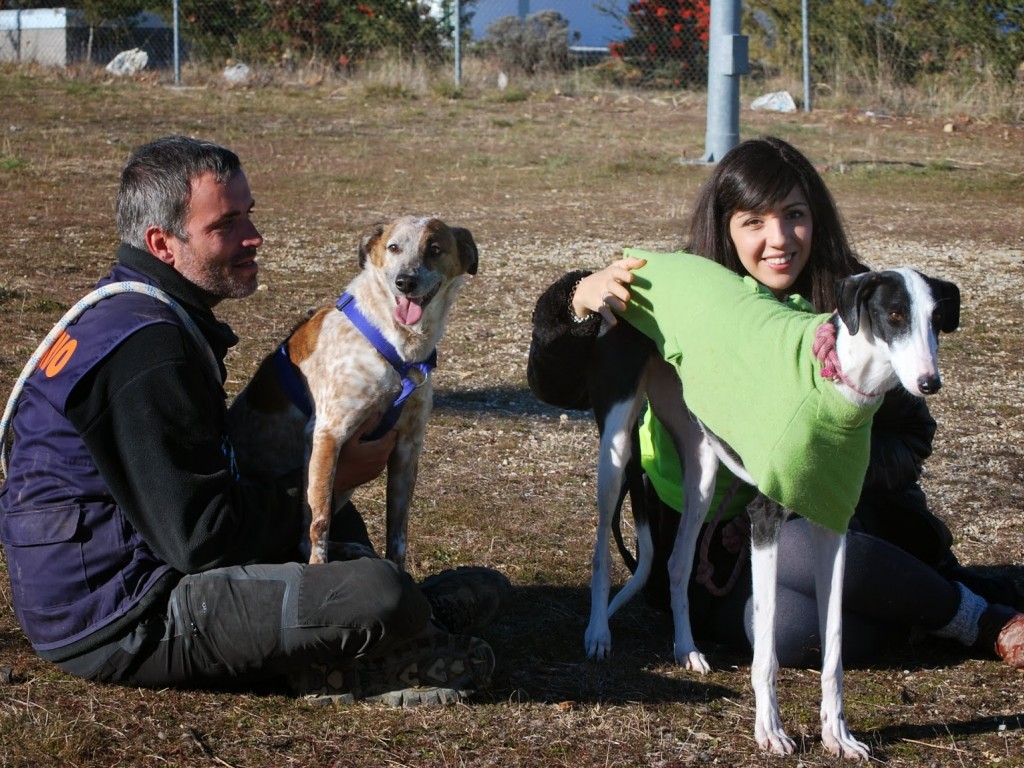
[57, 356]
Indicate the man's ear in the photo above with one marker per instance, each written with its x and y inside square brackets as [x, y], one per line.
[161, 245]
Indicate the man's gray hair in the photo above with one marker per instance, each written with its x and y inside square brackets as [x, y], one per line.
[156, 182]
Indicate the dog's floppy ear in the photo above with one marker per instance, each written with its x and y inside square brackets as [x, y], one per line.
[851, 294]
[468, 254]
[368, 240]
[947, 303]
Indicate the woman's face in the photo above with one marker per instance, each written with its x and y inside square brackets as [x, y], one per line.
[774, 245]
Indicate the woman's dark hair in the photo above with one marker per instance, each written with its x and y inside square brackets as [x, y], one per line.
[757, 175]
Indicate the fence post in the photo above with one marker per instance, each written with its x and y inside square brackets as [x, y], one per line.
[727, 60]
[458, 44]
[806, 35]
[177, 47]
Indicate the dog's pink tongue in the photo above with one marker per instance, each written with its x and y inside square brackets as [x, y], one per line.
[407, 312]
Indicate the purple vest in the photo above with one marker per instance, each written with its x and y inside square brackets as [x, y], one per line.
[75, 562]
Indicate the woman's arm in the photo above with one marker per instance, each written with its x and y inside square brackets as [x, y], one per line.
[565, 324]
[892, 505]
[560, 347]
[901, 439]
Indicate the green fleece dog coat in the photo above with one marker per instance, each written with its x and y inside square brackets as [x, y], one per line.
[749, 374]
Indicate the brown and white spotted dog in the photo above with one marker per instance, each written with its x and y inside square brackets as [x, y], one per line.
[412, 270]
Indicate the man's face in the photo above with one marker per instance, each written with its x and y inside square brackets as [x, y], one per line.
[220, 254]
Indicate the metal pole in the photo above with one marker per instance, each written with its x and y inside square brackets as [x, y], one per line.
[805, 16]
[177, 58]
[458, 44]
[727, 60]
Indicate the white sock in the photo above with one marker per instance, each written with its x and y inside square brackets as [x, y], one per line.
[963, 627]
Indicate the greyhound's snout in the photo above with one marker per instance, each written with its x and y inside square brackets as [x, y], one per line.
[929, 385]
[407, 282]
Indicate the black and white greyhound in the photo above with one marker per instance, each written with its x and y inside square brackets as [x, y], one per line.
[886, 335]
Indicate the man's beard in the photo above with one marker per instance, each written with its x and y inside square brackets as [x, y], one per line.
[217, 283]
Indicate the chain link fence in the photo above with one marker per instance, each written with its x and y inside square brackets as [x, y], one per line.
[856, 46]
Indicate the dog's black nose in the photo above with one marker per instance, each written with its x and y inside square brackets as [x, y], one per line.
[407, 283]
[929, 385]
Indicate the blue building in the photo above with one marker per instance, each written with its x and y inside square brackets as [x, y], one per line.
[588, 26]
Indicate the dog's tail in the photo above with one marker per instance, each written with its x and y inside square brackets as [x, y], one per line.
[634, 487]
[645, 554]
[640, 565]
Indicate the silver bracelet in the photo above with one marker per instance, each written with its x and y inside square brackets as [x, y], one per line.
[572, 312]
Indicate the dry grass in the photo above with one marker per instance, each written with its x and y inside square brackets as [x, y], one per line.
[545, 183]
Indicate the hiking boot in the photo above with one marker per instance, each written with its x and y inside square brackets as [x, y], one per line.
[327, 683]
[437, 668]
[465, 600]
[1001, 631]
[434, 668]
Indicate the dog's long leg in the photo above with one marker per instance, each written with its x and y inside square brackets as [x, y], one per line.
[700, 465]
[617, 381]
[633, 484]
[323, 459]
[699, 468]
[613, 454]
[830, 564]
[766, 518]
[402, 468]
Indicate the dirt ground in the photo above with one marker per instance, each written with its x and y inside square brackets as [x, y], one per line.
[555, 181]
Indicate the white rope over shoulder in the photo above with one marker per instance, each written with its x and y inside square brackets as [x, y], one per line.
[86, 302]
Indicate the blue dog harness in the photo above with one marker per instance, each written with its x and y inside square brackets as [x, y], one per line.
[295, 387]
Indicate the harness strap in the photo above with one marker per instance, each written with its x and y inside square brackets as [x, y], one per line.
[347, 304]
[76, 311]
[298, 393]
[292, 383]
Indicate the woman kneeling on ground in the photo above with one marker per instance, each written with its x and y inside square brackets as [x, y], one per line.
[766, 212]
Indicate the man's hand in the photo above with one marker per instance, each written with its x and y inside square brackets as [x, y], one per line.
[360, 462]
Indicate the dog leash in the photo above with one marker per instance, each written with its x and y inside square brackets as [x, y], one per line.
[76, 311]
[705, 568]
[297, 391]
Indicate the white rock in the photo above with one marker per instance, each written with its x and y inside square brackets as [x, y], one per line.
[780, 101]
[237, 73]
[128, 62]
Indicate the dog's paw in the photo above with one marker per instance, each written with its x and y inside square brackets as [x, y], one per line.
[841, 743]
[835, 734]
[598, 643]
[693, 660]
[772, 738]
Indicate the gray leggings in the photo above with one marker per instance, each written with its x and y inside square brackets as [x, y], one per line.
[886, 592]
[243, 624]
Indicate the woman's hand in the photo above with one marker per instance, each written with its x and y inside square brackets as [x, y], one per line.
[605, 292]
[360, 462]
